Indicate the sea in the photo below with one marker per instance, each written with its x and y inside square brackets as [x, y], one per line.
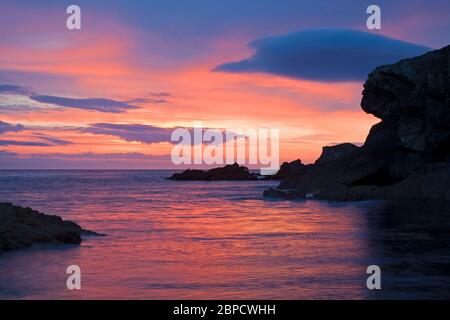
[220, 240]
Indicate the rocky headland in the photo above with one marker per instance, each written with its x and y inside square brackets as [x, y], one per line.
[405, 156]
[21, 227]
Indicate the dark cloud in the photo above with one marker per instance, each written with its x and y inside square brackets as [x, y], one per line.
[41, 140]
[13, 89]
[32, 78]
[10, 160]
[16, 108]
[140, 132]
[94, 104]
[96, 156]
[24, 143]
[160, 94]
[148, 100]
[323, 54]
[6, 127]
[52, 140]
[131, 132]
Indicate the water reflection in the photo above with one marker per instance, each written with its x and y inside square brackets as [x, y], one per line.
[192, 240]
[411, 243]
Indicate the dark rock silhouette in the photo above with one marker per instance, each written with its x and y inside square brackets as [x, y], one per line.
[288, 169]
[407, 154]
[228, 172]
[22, 227]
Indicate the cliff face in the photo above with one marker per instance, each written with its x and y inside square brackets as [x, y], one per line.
[407, 154]
[412, 98]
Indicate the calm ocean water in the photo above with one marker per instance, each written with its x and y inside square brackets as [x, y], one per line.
[211, 240]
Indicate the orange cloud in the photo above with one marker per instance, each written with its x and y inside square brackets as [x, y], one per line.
[102, 63]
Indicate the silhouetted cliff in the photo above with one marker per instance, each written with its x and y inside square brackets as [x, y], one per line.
[405, 155]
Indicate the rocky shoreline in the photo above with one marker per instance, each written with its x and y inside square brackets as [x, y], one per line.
[405, 156]
[22, 227]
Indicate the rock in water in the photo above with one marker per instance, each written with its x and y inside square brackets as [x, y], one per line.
[288, 169]
[334, 153]
[22, 227]
[229, 172]
[284, 194]
[407, 154]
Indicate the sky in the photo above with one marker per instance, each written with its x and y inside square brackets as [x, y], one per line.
[109, 95]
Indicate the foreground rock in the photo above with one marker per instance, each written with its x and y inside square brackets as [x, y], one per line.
[22, 227]
[407, 154]
[229, 172]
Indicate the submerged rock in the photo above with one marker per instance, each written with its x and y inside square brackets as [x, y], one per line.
[407, 154]
[22, 227]
[229, 172]
[284, 194]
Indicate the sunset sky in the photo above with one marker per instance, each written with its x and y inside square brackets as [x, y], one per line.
[110, 94]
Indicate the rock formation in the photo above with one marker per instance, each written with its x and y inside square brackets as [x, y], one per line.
[22, 227]
[229, 172]
[406, 155]
[288, 169]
